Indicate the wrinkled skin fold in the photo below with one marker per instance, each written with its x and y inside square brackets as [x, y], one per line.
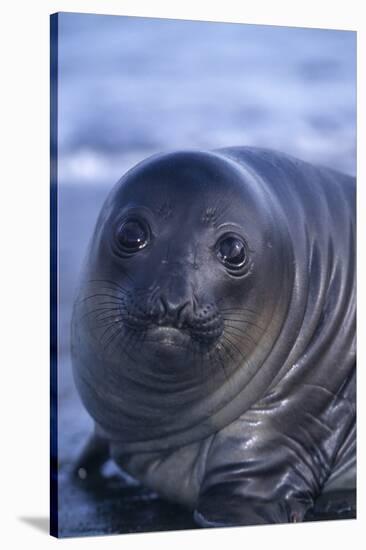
[217, 355]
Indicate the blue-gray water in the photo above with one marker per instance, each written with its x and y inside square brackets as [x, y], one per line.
[131, 87]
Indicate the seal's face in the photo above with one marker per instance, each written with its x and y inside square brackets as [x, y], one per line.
[176, 295]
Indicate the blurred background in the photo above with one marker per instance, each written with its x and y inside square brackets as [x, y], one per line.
[130, 87]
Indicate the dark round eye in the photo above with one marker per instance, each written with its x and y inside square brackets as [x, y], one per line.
[231, 251]
[133, 235]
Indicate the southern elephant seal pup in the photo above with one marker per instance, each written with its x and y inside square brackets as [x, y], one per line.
[213, 337]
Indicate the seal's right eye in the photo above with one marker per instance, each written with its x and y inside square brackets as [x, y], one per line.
[133, 235]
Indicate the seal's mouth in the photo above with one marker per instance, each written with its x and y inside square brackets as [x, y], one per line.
[185, 336]
[167, 336]
[201, 332]
[131, 321]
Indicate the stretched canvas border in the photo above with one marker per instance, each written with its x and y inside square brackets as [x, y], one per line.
[54, 20]
[53, 275]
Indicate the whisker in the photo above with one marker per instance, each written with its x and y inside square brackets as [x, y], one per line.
[222, 364]
[227, 339]
[105, 309]
[222, 212]
[97, 296]
[118, 302]
[111, 338]
[119, 292]
[105, 337]
[244, 321]
[238, 310]
[101, 310]
[228, 351]
[104, 322]
[109, 326]
[242, 334]
[119, 287]
[109, 282]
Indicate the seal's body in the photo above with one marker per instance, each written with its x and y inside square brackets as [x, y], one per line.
[213, 336]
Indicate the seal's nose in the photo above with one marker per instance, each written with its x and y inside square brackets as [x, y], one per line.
[175, 302]
[175, 311]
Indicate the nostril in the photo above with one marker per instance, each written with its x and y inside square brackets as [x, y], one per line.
[158, 310]
[175, 312]
[182, 314]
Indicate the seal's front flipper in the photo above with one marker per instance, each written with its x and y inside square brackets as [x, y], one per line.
[220, 510]
[334, 505]
[94, 454]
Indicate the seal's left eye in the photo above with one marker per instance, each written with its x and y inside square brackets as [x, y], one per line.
[133, 235]
[231, 251]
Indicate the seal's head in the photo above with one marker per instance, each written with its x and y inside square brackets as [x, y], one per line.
[184, 291]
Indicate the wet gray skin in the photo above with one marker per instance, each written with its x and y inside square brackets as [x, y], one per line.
[213, 333]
